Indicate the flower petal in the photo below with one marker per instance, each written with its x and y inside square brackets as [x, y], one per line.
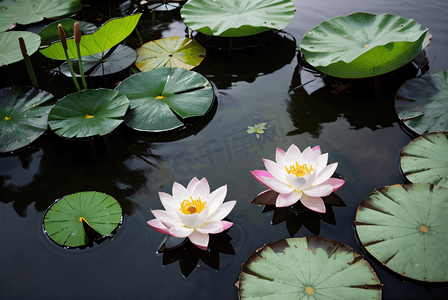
[161, 214]
[313, 203]
[222, 212]
[180, 231]
[319, 191]
[170, 223]
[325, 174]
[285, 200]
[199, 239]
[180, 192]
[258, 173]
[169, 203]
[292, 155]
[321, 161]
[191, 185]
[201, 190]
[157, 225]
[277, 171]
[276, 185]
[212, 227]
[194, 220]
[336, 183]
[280, 157]
[225, 225]
[308, 157]
[295, 182]
[216, 198]
[317, 151]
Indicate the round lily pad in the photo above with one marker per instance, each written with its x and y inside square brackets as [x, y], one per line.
[162, 97]
[88, 113]
[10, 48]
[425, 159]
[31, 11]
[233, 18]
[363, 45]
[308, 268]
[404, 227]
[102, 63]
[23, 118]
[78, 218]
[421, 103]
[165, 5]
[170, 52]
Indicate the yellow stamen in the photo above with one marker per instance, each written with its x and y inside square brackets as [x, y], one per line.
[159, 97]
[7, 118]
[189, 207]
[89, 116]
[366, 45]
[81, 219]
[299, 170]
[424, 229]
[309, 290]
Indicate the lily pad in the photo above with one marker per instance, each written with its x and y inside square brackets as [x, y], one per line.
[31, 11]
[164, 5]
[233, 18]
[170, 52]
[88, 113]
[160, 97]
[108, 35]
[10, 48]
[23, 118]
[308, 268]
[50, 33]
[78, 218]
[421, 103]
[103, 63]
[425, 159]
[363, 45]
[404, 227]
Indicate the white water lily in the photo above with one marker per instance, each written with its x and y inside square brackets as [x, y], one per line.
[302, 176]
[193, 212]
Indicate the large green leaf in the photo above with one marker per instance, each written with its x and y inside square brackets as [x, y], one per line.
[23, 118]
[155, 94]
[103, 63]
[88, 113]
[10, 48]
[50, 33]
[108, 35]
[63, 222]
[421, 103]
[363, 45]
[30, 11]
[233, 18]
[170, 52]
[425, 159]
[308, 268]
[405, 227]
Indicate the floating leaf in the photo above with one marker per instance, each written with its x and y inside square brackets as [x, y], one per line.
[425, 159]
[164, 6]
[31, 11]
[161, 96]
[70, 220]
[23, 118]
[421, 103]
[108, 35]
[307, 268]
[50, 34]
[170, 52]
[405, 227]
[10, 47]
[88, 113]
[233, 18]
[363, 45]
[103, 63]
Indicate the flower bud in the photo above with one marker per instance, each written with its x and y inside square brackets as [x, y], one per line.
[22, 46]
[62, 37]
[77, 33]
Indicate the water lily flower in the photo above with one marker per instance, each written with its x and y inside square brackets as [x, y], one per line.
[302, 176]
[193, 212]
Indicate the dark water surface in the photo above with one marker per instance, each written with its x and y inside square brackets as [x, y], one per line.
[360, 131]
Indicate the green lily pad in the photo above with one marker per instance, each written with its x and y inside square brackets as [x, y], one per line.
[233, 18]
[77, 218]
[425, 159]
[103, 63]
[363, 45]
[23, 118]
[31, 11]
[161, 96]
[405, 226]
[170, 52]
[50, 33]
[108, 35]
[307, 268]
[88, 113]
[10, 48]
[421, 103]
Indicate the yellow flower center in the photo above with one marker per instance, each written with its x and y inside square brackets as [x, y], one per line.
[89, 116]
[366, 45]
[309, 290]
[188, 207]
[81, 219]
[299, 170]
[7, 118]
[159, 97]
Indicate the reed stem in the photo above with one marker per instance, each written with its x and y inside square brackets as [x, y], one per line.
[69, 62]
[77, 34]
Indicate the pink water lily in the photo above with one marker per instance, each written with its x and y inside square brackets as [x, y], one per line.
[302, 176]
[193, 212]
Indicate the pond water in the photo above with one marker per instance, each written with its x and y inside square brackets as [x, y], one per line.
[360, 131]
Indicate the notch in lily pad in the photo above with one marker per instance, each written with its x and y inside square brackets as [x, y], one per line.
[78, 219]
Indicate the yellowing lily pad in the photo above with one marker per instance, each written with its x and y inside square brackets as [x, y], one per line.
[405, 227]
[170, 52]
[307, 268]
